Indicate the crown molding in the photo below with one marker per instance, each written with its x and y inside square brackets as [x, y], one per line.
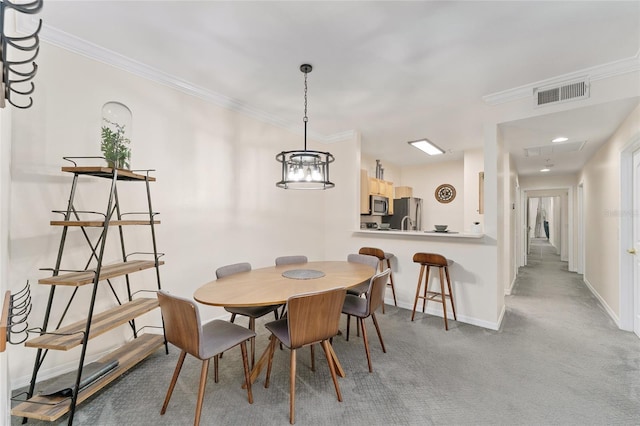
[64, 40]
[599, 72]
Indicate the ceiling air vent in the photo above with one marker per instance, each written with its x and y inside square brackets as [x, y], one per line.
[560, 93]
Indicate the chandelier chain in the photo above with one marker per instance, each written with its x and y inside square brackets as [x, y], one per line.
[305, 119]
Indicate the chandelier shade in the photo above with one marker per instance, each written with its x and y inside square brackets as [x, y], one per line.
[305, 169]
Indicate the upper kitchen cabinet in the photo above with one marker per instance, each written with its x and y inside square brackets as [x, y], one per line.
[372, 186]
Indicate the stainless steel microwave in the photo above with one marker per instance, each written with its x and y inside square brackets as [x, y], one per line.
[378, 205]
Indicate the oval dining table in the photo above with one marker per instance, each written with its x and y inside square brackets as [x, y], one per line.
[275, 284]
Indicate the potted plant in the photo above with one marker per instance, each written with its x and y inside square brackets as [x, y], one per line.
[115, 145]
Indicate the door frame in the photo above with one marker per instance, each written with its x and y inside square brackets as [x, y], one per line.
[627, 286]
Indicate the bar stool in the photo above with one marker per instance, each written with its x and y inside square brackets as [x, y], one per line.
[382, 256]
[442, 263]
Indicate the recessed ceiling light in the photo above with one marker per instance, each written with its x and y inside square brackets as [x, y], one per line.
[545, 170]
[426, 146]
[560, 139]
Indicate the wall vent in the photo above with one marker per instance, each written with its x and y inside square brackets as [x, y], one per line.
[561, 92]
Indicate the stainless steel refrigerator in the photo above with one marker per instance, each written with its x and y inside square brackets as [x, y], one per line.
[406, 207]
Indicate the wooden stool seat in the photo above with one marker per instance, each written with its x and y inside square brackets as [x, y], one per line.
[383, 257]
[430, 260]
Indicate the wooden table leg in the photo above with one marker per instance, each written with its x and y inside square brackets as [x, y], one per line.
[336, 361]
[257, 367]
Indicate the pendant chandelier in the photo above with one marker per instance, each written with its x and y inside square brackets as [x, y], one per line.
[305, 169]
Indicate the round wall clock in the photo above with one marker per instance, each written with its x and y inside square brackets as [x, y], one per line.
[445, 193]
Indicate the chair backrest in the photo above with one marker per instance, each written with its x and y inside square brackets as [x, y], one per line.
[235, 268]
[290, 260]
[375, 293]
[365, 259]
[372, 251]
[181, 322]
[314, 317]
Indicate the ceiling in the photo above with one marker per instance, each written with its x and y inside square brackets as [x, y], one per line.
[394, 71]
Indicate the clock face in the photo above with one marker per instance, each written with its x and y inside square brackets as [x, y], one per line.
[445, 193]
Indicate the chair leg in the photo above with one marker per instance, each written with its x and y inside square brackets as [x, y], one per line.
[215, 369]
[201, 389]
[272, 348]
[444, 299]
[393, 287]
[245, 364]
[453, 305]
[252, 327]
[415, 301]
[375, 322]
[366, 343]
[174, 379]
[292, 388]
[348, 326]
[313, 358]
[332, 368]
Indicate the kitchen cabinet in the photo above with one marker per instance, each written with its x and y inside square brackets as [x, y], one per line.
[403, 192]
[373, 186]
[94, 275]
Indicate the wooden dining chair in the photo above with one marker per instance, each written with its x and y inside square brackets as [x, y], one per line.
[362, 308]
[204, 341]
[252, 312]
[291, 260]
[312, 318]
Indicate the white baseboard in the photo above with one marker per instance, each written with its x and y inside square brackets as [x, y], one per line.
[604, 304]
[461, 318]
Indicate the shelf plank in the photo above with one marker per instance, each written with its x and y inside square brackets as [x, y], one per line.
[100, 324]
[100, 223]
[107, 172]
[107, 272]
[52, 408]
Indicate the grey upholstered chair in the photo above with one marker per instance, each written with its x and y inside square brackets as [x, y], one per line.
[290, 260]
[364, 307]
[252, 312]
[365, 259]
[204, 341]
[312, 318]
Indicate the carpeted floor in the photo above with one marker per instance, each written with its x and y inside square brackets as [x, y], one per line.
[558, 359]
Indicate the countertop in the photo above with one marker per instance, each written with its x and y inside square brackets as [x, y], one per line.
[426, 234]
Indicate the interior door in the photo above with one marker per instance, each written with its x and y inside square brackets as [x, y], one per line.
[636, 241]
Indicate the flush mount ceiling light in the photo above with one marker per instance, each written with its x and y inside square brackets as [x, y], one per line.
[547, 167]
[305, 169]
[427, 147]
[560, 139]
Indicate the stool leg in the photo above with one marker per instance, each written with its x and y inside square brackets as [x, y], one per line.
[453, 305]
[444, 301]
[393, 287]
[426, 288]
[415, 301]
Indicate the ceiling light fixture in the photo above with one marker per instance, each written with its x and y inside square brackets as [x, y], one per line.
[427, 146]
[560, 139]
[547, 166]
[305, 169]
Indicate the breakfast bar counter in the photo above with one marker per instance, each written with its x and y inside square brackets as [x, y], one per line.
[418, 234]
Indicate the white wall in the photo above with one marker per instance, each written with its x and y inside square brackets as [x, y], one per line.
[215, 189]
[601, 181]
[473, 165]
[425, 180]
